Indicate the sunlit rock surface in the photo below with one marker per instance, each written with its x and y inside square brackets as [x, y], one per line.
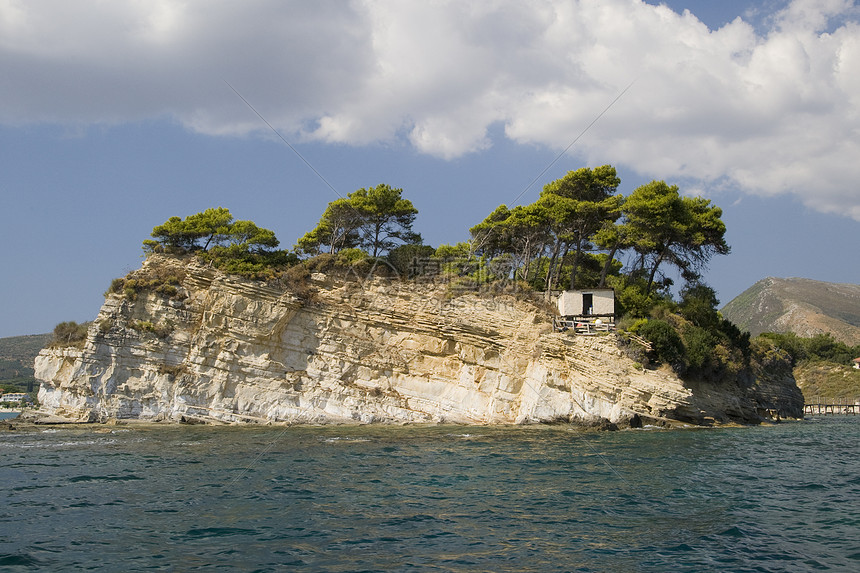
[231, 350]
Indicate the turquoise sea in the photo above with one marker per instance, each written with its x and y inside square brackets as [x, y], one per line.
[438, 498]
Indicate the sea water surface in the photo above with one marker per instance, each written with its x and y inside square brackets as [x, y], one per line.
[438, 498]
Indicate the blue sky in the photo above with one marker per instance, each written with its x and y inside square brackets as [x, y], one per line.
[116, 116]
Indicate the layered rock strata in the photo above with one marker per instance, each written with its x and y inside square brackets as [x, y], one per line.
[225, 349]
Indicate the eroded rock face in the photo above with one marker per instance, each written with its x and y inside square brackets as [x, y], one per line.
[221, 348]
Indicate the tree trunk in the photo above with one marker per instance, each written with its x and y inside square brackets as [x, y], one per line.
[639, 264]
[559, 264]
[532, 256]
[606, 265]
[549, 269]
[527, 261]
[575, 267]
[377, 229]
[654, 272]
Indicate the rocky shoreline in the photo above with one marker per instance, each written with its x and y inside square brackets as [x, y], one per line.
[40, 420]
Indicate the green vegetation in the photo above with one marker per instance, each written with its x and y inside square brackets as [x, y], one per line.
[573, 236]
[407, 259]
[818, 348]
[14, 373]
[352, 236]
[375, 219]
[70, 334]
[16, 376]
[367, 221]
[827, 382]
[236, 247]
[161, 330]
[663, 227]
[17, 354]
[667, 344]
[257, 265]
[822, 366]
[163, 281]
[547, 241]
[215, 227]
[691, 335]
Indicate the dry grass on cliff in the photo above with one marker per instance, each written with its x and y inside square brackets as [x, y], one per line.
[162, 274]
[297, 280]
[69, 334]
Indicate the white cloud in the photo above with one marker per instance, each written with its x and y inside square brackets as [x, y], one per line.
[770, 112]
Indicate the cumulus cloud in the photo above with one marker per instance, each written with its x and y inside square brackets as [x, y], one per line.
[768, 110]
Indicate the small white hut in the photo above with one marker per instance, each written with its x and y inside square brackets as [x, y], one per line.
[594, 302]
[586, 311]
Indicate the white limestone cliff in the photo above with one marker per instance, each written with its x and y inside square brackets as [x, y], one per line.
[227, 349]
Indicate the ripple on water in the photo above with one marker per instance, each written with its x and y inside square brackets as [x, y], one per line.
[19, 560]
[446, 498]
[211, 532]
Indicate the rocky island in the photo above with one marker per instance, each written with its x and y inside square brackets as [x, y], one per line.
[349, 327]
[185, 341]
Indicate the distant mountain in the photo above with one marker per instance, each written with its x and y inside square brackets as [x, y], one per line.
[802, 306]
[17, 354]
[23, 348]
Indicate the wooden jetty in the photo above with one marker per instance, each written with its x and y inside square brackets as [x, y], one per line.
[827, 408]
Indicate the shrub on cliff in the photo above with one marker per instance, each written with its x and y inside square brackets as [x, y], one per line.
[161, 330]
[667, 345]
[352, 263]
[256, 265]
[717, 353]
[410, 260]
[69, 334]
[768, 355]
[163, 279]
[699, 345]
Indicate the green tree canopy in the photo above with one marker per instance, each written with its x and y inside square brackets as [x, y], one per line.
[376, 219]
[611, 237]
[699, 305]
[580, 204]
[521, 232]
[566, 217]
[337, 229]
[663, 227]
[212, 227]
[574, 231]
[248, 235]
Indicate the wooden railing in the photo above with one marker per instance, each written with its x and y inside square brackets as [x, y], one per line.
[590, 324]
[640, 341]
[826, 408]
